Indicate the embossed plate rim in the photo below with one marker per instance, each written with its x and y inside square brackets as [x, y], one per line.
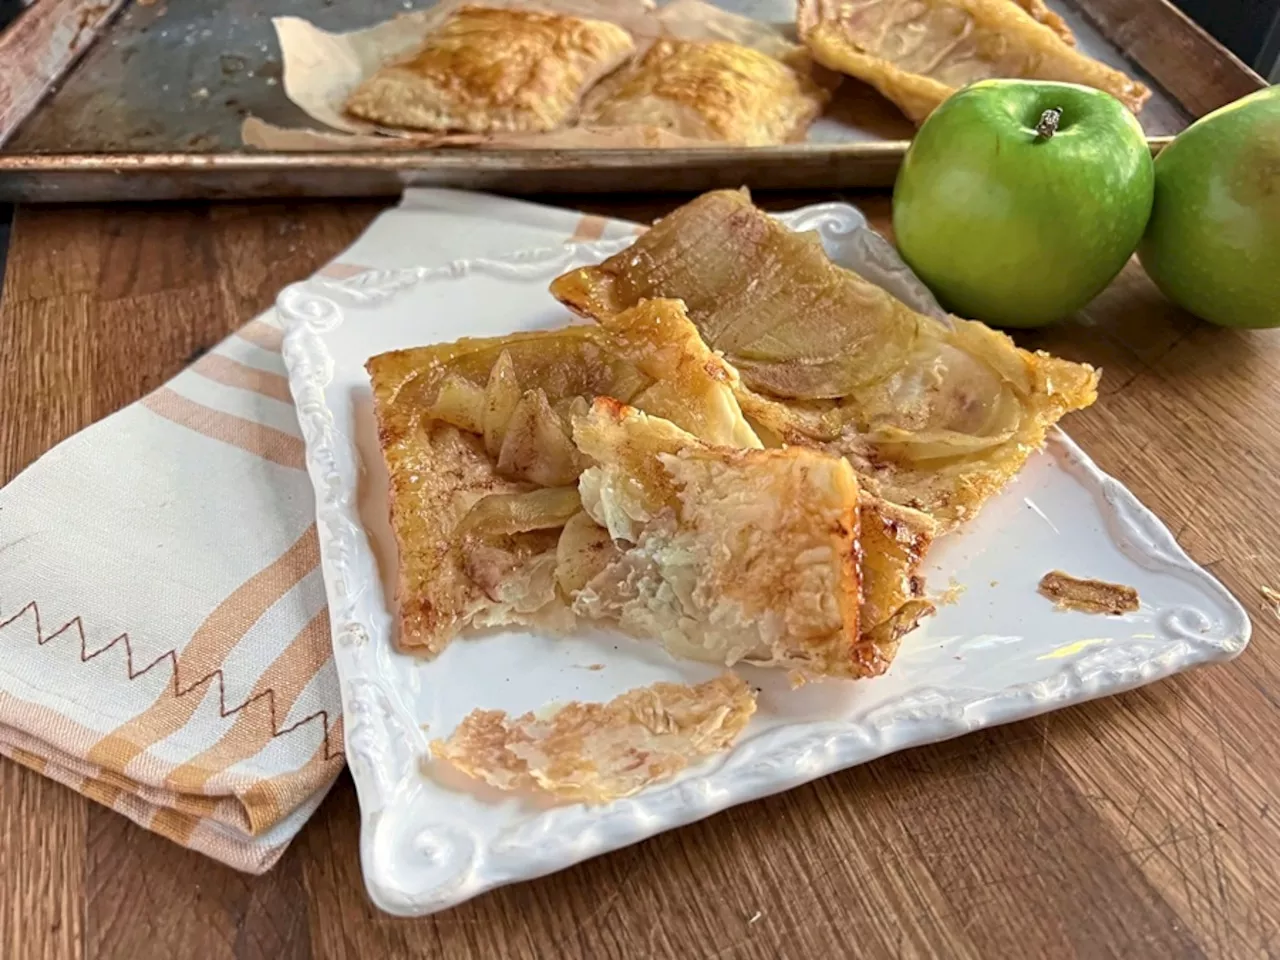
[444, 863]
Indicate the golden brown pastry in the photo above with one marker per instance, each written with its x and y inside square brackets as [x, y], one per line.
[598, 752]
[472, 432]
[709, 90]
[494, 70]
[487, 487]
[724, 554]
[934, 416]
[1042, 14]
[1088, 595]
[918, 53]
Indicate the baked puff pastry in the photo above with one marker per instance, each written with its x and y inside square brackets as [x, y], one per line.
[724, 554]
[934, 415]
[483, 469]
[599, 752]
[513, 497]
[494, 70]
[918, 53]
[709, 90]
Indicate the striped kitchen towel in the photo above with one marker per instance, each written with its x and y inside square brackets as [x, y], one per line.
[162, 615]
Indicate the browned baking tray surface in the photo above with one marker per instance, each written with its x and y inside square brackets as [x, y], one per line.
[153, 110]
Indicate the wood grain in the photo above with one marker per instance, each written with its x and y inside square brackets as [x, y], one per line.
[1138, 826]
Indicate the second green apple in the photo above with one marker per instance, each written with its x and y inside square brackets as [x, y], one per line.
[1019, 201]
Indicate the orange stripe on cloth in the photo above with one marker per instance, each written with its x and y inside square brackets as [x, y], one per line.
[193, 805]
[233, 373]
[268, 801]
[590, 227]
[26, 758]
[256, 438]
[103, 793]
[262, 334]
[196, 822]
[200, 662]
[275, 693]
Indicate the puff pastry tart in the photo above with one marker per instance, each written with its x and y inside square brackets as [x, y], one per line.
[709, 90]
[513, 499]
[477, 441]
[494, 70]
[933, 415]
[920, 52]
[731, 555]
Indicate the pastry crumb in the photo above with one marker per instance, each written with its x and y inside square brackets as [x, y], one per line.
[797, 678]
[951, 594]
[598, 752]
[1087, 596]
[1272, 597]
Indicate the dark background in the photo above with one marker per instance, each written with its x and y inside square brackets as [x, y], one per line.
[1251, 28]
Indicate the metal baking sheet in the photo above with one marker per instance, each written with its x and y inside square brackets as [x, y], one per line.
[153, 110]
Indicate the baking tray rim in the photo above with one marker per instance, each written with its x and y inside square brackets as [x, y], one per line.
[637, 160]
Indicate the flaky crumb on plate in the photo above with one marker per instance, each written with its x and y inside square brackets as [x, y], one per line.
[600, 752]
[1087, 596]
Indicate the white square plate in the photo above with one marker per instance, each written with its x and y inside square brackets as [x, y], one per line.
[999, 653]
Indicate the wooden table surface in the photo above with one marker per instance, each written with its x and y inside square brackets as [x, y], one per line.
[1138, 826]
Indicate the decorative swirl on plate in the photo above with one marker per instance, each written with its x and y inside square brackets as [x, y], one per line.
[437, 857]
[831, 220]
[1197, 627]
[439, 847]
[298, 304]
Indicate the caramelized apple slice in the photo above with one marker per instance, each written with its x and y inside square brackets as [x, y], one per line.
[472, 430]
[933, 415]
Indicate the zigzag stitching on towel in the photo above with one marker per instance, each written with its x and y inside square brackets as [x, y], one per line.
[172, 657]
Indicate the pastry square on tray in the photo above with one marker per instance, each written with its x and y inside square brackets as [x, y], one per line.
[494, 70]
[709, 90]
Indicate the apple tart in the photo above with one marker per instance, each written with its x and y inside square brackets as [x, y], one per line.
[772, 557]
[483, 470]
[514, 499]
[494, 70]
[918, 53]
[933, 415]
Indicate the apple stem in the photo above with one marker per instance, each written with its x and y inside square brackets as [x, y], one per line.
[1048, 124]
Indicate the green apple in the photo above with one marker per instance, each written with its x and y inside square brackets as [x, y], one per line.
[1019, 200]
[1213, 243]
